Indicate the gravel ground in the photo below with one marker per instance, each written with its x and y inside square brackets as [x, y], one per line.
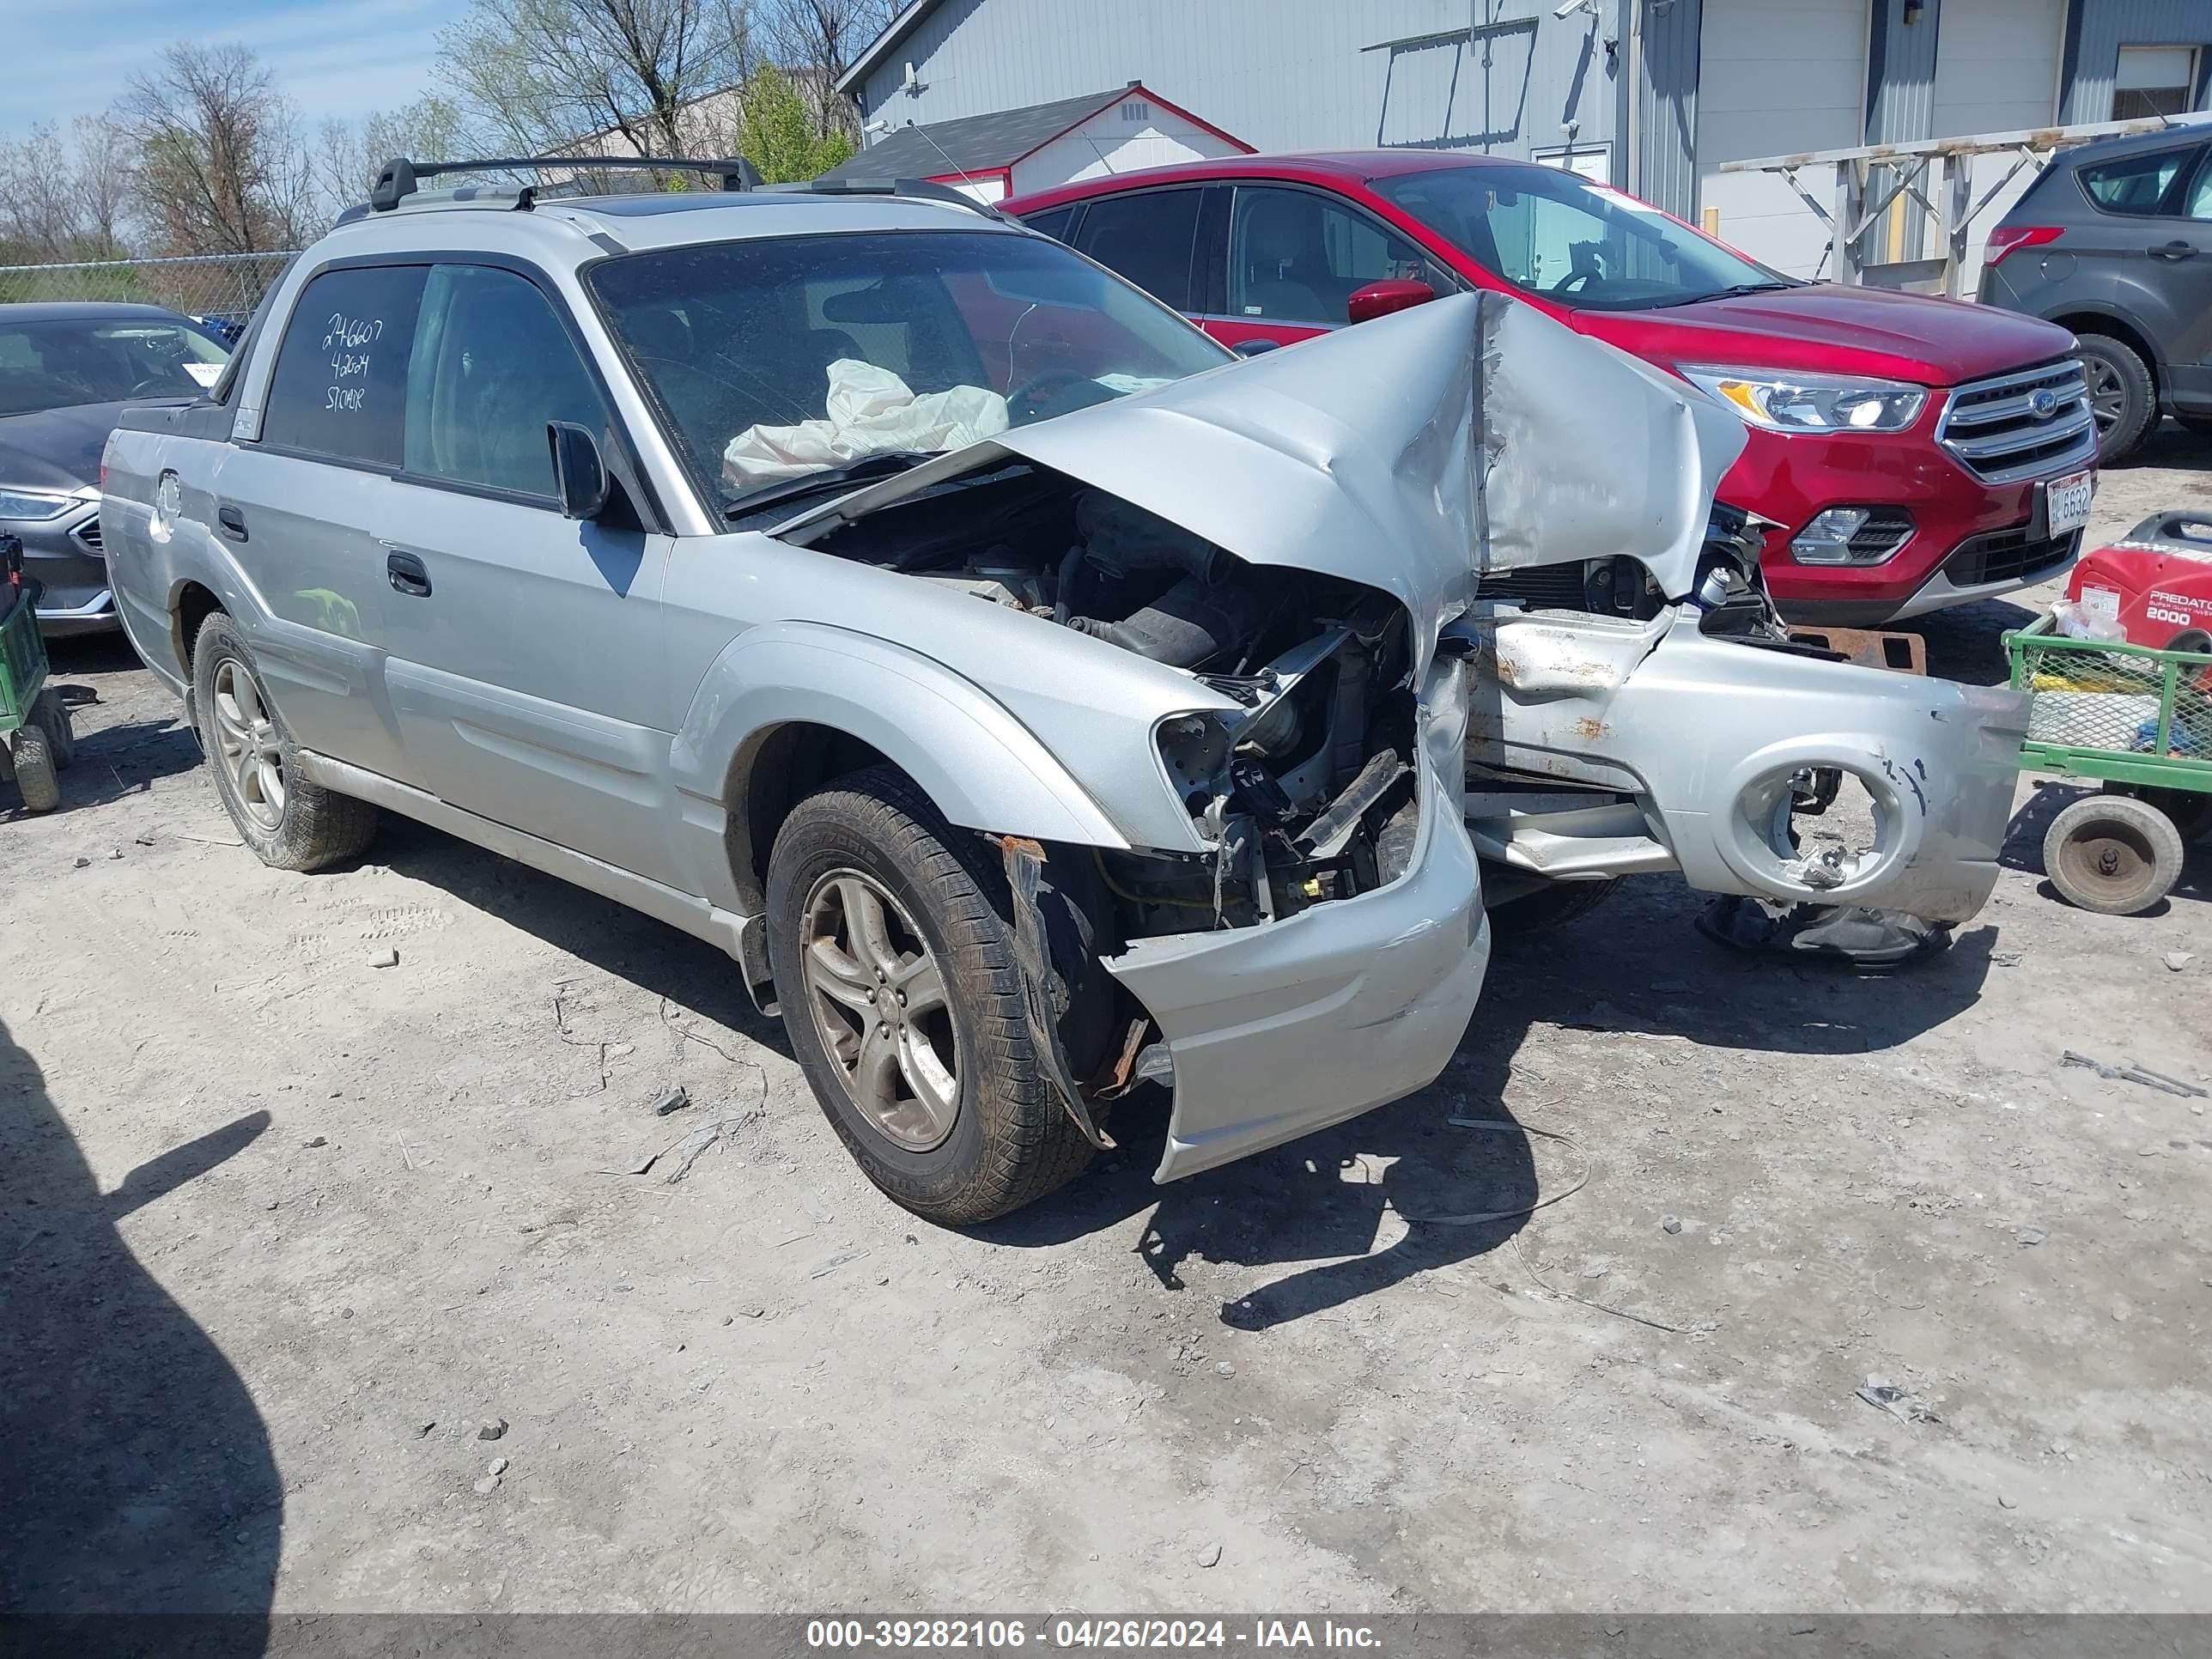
[287, 1234]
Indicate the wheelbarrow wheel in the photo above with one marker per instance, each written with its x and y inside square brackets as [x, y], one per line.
[53, 715]
[2190, 810]
[35, 776]
[2112, 854]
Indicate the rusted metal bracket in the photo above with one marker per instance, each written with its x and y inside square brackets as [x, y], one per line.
[1025, 862]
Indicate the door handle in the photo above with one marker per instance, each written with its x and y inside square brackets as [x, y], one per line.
[408, 576]
[231, 521]
[2176, 249]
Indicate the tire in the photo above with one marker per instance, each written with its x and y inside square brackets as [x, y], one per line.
[289, 823]
[1552, 906]
[52, 714]
[2189, 810]
[2112, 854]
[943, 899]
[35, 772]
[2121, 393]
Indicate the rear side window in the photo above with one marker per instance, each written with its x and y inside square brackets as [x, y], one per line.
[2140, 185]
[493, 363]
[340, 388]
[1053, 221]
[1147, 238]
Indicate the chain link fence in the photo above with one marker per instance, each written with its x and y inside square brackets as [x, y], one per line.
[222, 288]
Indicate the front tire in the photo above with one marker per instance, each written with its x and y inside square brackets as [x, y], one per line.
[891, 942]
[288, 821]
[2121, 393]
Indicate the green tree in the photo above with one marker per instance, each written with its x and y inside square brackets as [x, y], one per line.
[777, 132]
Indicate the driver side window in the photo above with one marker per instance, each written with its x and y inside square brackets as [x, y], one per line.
[1297, 257]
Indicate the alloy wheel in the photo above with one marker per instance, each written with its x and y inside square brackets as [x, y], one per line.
[247, 745]
[2108, 398]
[877, 997]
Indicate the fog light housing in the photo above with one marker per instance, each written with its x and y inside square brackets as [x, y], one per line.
[1852, 535]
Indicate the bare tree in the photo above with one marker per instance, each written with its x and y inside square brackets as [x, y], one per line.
[220, 161]
[62, 198]
[99, 183]
[348, 156]
[815, 41]
[539, 77]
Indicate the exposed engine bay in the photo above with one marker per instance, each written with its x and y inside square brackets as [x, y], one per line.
[1305, 795]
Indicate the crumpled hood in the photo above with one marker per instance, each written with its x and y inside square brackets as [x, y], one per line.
[1411, 453]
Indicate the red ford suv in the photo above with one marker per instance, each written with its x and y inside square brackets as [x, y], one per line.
[1914, 453]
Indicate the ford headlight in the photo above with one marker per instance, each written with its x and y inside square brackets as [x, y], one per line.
[1812, 403]
[25, 508]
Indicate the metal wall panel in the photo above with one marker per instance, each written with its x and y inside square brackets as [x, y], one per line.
[2097, 29]
[1667, 105]
[1901, 70]
[1501, 76]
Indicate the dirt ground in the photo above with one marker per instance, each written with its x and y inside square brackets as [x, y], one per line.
[282, 1229]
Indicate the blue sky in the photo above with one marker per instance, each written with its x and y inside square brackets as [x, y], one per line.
[335, 58]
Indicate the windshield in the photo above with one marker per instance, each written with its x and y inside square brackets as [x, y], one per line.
[103, 359]
[774, 358]
[1547, 231]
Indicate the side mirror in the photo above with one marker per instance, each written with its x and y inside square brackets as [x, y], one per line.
[1381, 299]
[579, 477]
[1254, 347]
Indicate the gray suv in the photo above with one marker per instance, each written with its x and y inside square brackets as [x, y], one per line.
[1033, 699]
[2114, 240]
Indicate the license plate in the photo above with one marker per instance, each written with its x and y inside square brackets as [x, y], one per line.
[2066, 501]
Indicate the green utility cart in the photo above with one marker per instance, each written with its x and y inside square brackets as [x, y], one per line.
[2139, 722]
[38, 743]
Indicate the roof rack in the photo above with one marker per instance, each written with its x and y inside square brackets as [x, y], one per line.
[397, 177]
[928, 190]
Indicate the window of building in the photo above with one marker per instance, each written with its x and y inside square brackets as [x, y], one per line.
[340, 388]
[1147, 236]
[492, 365]
[2154, 80]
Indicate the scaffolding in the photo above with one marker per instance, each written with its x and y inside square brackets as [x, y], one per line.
[1886, 198]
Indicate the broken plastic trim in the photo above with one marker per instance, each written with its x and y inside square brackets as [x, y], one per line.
[1025, 862]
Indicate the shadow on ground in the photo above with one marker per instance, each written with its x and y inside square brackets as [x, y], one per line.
[135, 1475]
[1636, 966]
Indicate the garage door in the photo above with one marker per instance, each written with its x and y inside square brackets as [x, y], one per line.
[1777, 77]
[1996, 70]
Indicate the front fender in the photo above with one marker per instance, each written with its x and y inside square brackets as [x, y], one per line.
[981, 766]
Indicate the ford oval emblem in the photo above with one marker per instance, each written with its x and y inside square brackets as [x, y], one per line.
[2043, 403]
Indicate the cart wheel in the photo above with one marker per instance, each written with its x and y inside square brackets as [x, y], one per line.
[2112, 854]
[52, 714]
[2190, 809]
[34, 771]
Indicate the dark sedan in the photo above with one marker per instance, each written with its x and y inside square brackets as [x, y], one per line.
[65, 369]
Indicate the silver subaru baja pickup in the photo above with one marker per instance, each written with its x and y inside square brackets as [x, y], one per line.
[1031, 698]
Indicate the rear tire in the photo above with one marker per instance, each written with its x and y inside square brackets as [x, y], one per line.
[2121, 393]
[52, 713]
[2112, 854]
[35, 772]
[946, 1106]
[288, 821]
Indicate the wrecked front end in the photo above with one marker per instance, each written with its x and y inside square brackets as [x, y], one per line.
[1310, 558]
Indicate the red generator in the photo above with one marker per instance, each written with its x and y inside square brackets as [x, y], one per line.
[2162, 571]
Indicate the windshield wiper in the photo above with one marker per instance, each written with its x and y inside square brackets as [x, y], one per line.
[1729, 291]
[878, 463]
